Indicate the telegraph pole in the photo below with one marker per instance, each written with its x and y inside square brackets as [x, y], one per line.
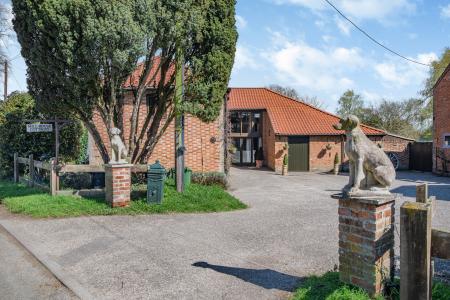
[179, 121]
[5, 87]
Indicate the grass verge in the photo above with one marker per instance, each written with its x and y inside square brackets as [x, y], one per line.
[197, 198]
[328, 287]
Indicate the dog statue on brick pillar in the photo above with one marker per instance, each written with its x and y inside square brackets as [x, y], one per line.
[119, 151]
[371, 170]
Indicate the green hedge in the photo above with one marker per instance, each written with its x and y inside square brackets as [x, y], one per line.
[14, 138]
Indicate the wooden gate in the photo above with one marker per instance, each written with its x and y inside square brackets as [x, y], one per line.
[421, 156]
[298, 153]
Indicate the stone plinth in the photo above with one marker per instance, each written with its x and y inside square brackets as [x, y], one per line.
[366, 241]
[118, 184]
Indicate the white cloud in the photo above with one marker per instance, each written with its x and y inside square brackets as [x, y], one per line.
[320, 24]
[244, 59]
[8, 14]
[445, 11]
[10, 34]
[343, 25]
[299, 64]
[371, 96]
[375, 9]
[360, 9]
[327, 38]
[313, 4]
[401, 73]
[241, 22]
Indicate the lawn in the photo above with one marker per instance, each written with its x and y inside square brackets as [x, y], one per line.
[21, 199]
[328, 287]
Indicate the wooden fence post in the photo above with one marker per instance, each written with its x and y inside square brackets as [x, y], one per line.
[415, 248]
[422, 193]
[53, 178]
[31, 170]
[16, 167]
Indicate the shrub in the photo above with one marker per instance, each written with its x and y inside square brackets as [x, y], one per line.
[83, 157]
[210, 178]
[285, 160]
[336, 159]
[76, 181]
[14, 138]
[139, 178]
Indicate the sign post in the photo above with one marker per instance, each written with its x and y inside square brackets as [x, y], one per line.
[44, 125]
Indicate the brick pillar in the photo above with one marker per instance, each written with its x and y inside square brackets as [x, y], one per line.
[366, 242]
[118, 184]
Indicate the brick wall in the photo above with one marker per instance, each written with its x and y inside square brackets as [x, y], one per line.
[280, 142]
[272, 145]
[268, 140]
[320, 158]
[118, 185]
[366, 242]
[398, 146]
[441, 120]
[204, 141]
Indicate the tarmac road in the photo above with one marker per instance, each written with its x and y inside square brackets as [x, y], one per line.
[23, 277]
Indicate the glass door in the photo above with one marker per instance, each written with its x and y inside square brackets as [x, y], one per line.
[247, 153]
[245, 150]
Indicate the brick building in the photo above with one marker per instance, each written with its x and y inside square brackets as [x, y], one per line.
[261, 118]
[441, 123]
[204, 141]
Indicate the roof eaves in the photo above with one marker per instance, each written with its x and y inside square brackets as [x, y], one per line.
[400, 137]
[447, 69]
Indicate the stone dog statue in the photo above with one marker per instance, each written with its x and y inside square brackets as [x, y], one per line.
[119, 151]
[371, 170]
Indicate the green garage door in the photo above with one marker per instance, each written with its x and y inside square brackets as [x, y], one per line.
[298, 153]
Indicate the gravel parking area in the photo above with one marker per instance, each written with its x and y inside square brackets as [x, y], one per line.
[289, 232]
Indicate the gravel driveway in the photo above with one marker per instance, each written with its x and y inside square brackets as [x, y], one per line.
[289, 231]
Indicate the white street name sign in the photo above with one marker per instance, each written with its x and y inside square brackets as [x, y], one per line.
[39, 127]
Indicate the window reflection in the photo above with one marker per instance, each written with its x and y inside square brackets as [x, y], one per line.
[235, 122]
[245, 122]
[256, 122]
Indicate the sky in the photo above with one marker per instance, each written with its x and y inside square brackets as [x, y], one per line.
[306, 45]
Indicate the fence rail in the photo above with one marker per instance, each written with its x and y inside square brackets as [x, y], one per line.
[81, 169]
[95, 169]
[56, 170]
[42, 165]
[440, 244]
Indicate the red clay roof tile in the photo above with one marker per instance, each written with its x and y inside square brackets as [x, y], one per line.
[154, 76]
[288, 116]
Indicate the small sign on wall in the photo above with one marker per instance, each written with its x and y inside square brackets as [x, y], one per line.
[39, 127]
